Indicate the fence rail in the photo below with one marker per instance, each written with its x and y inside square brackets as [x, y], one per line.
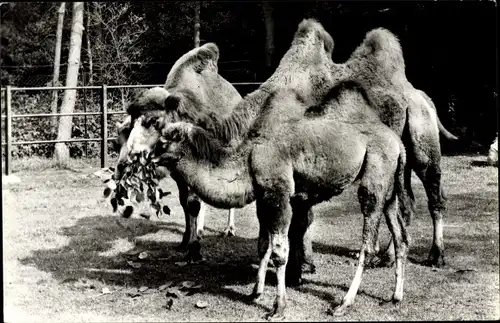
[104, 113]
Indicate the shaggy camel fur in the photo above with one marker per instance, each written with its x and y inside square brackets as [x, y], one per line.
[287, 170]
[378, 65]
[305, 67]
[194, 83]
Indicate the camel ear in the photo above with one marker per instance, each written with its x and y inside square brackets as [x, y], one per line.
[172, 102]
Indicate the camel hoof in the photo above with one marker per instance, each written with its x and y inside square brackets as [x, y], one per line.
[181, 247]
[294, 281]
[338, 310]
[437, 262]
[308, 268]
[193, 257]
[253, 298]
[228, 232]
[273, 317]
[380, 262]
[278, 312]
[390, 302]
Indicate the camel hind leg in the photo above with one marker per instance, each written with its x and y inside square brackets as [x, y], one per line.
[424, 156]
[400, 239]
[372, 193]
[230, 228]
[191, 205]
[387, 257]
[299, 235]
[264, 250]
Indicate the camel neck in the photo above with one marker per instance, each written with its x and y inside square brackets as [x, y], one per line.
[225, 185]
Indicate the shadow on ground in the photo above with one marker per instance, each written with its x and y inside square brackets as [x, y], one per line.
[90, 237]
[229, 260]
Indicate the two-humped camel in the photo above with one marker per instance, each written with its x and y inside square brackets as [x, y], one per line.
[287, 169]
[305, 67]
[378, 65]
[196, 85]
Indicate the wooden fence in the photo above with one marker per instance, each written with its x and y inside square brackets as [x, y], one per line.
[8, 116]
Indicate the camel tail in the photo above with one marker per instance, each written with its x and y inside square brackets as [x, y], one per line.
[407, 206]
[448, 135]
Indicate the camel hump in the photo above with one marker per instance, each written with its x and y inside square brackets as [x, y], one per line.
[308, 26]
[382, 47]
[199, 59]
[208, 51]
[382, 39]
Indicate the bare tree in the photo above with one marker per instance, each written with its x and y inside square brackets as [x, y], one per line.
[69, 98]
[57, 60]
[89, 49]
[118, 42]
[197, 9]
[269, 24]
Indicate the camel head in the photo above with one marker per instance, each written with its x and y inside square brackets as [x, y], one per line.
[164, 142]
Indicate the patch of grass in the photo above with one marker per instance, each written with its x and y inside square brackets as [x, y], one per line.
[62, 246]
[35, 164]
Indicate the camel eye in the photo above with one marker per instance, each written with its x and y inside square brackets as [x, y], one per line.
[148, 122]
[159, 124]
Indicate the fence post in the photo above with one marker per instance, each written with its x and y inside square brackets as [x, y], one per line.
[104, 125]
[8, 130]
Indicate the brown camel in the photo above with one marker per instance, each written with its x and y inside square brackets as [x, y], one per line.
[198, 88]
[287, 170]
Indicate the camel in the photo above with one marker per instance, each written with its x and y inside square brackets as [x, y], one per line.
[378, 65]
[305, 67]
[196, 85]
[288, 169]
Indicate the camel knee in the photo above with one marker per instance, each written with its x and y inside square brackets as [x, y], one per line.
[280, 249]
[193, 205]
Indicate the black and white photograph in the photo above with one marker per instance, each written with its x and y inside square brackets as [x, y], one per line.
[222, 161]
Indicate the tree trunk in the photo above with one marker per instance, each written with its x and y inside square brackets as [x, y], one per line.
[69, 98]
[89, 49]
[197, 9]
[269, 24]
[57, 61]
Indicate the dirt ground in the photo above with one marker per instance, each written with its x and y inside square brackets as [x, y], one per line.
[68, 258]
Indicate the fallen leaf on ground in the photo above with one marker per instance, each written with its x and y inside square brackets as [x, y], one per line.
[181, 263]
[165, 286]
[132, 252]
[174, 292]
[142, 289]
[134, 264]
[187, 284]
[105, 290]
[169, 304]
[133, 293]
[201, 304]
[143, 255]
